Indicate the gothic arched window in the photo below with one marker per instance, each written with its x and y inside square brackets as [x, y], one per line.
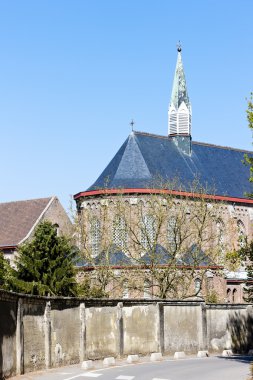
[172, 233]
[119, 232]
[234, 295]
[95, 236]
[148, 231]
[197, 284]
[220, 235]
[220, 231]
[241, 233]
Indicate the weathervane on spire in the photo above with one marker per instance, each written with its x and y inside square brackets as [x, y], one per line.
[179, 46]
[132, 124]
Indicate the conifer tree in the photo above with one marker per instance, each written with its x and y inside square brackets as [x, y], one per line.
[44, 266]
[2, 270]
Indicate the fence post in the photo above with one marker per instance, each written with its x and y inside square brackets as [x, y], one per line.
[82, 332]
[47, 331]
[20, 339]
[120, 328]
[160, 337]
[203, 330]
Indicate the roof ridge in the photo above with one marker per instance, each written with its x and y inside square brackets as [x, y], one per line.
[222, 147]
[150, 134]
[28, 200]
[194, 142]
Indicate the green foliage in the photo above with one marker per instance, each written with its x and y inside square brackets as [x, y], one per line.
[247, 257]
[86, 290]
[233, 260]
[2, 270]
[5, 271]
[247, 159]
[212, 297]
[246, 252]
[44, 266]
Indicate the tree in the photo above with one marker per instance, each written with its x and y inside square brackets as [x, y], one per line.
[246, 251]
[44, 265]
[246, 254]
[2, 270]
[163, 243]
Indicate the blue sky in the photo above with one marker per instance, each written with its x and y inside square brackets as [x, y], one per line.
[74, 73]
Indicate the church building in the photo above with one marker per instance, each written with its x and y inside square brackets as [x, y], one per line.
[149, 165]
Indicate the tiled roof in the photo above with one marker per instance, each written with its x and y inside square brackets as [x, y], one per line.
[143, 158]
[18, 218]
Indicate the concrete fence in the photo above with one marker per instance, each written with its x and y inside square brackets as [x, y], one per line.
[41, 332]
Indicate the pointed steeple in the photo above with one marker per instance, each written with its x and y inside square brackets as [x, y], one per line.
[179, 113]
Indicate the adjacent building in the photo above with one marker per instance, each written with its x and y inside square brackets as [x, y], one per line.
[19, 219]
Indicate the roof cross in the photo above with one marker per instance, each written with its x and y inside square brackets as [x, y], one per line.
[132, 124]
[179, 46]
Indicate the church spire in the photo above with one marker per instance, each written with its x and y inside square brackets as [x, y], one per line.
[179, 113]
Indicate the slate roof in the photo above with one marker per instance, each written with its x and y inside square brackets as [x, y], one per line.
[144, 157]
[113, 257]
[196, 257]
[162, 256]
[18, 218]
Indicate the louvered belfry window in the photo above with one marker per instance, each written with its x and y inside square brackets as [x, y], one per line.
[173, 122]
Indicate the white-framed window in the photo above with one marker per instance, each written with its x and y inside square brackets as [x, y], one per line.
[241, 233]
[95, 230]
[148, 231]
[197, 285]
[56, 227]
[119, 232]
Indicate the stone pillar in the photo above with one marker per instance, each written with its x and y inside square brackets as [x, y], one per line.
[203, 328]
[120, 328]
[20, 339]
[82, 333]
[47, 332]
[160, 327]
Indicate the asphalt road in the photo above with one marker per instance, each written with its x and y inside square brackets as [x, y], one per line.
[212, 368]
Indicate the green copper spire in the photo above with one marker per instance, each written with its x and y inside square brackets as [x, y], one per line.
[179, 113]
[179, 89]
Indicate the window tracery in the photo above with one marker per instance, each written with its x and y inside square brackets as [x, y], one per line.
[95, 236]
[120, 232]
[148, 231]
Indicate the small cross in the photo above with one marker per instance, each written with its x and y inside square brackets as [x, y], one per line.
[132, 124]
[179, 46]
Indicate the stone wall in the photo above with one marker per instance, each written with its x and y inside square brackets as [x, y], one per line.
[41, 332]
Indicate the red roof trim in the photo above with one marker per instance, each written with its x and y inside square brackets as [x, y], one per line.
[161, 191]
[8, 247]
[90, 268]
